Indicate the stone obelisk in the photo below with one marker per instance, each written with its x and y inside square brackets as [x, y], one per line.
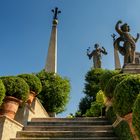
[116, 56]
[51, 62]
[117, 60]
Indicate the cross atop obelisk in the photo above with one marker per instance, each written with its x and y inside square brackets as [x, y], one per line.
[56, 12]
[51, 62]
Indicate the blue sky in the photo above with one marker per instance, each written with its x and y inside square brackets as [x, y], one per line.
[25, 27]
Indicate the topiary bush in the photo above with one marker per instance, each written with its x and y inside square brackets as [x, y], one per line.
[2, 91]
[122, 130]
[16, 87]
[125, 95]
[55, 91]
[108, 74]
[33, 82]
[112, 83]
[92, 79]
[136, 116]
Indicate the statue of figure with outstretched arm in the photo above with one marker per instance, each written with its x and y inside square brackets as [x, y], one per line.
[96, 54]
[128, 42]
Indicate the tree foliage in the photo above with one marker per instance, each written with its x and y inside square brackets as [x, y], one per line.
[55, 91]
[85, 103]
[95, 110]
[96, 107]
[92, 85]
[2, 91]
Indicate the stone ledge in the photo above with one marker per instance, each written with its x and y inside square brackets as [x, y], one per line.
[3, 118]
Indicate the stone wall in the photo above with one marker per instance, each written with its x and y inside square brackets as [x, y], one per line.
[8, 128]
[27, 112]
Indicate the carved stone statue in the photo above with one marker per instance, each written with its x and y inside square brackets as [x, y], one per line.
[125, 44]
[96, 54]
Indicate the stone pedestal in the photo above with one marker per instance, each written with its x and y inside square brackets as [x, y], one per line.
[131, 68]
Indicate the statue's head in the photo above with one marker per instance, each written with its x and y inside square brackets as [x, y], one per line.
[96, 46]
[125, 27]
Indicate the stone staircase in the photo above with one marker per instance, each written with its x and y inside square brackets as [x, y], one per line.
[67, 129]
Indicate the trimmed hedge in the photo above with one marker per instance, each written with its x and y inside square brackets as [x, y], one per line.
[16, 87]
[33, 82]
[111, 85]
[106, 77]
[125, 95]
[136, 116]
[122, 130]
[55, 91]
[2, 91]
[111, 115]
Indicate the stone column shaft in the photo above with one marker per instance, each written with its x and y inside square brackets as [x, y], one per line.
[51, 62]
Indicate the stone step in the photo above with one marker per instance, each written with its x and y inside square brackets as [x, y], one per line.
[92, 138]
[68, 123]
[68, 128]
[63, 134]
[67, 119]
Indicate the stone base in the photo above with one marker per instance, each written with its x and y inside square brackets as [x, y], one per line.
[131, 68]
[8, 128]
[52, 114]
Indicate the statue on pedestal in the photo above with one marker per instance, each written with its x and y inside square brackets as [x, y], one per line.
[126, 43]
[96, 54]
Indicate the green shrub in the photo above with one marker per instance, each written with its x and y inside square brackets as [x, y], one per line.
[100, 97]
[125, 95]
[111, 85]
[111, 115]
[95, 110]
[33, 82]
[2, 91]
[55, 91]
[16, 87]
[123, 131]
[108, 74]
[78, 114]
[136, 116]
[92, 79]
